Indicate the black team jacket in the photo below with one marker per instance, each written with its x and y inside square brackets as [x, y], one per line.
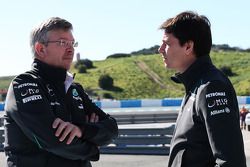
[207, 131]
[34, 100]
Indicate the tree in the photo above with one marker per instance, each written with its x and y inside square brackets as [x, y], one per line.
[88, 63]
[227, 71]
[105, 82]
[118, 55]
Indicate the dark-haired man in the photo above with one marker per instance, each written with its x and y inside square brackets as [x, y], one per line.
[207, 129]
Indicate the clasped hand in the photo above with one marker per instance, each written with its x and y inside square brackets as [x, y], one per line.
[68, 130]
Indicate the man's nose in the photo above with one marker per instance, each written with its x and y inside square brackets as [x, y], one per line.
[161, 49]
[70, 49]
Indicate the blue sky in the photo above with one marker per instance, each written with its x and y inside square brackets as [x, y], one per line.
[112, 26]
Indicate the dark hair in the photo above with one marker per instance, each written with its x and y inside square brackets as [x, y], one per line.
[188, 26]
[39, 33]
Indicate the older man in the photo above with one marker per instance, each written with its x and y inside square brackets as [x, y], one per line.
[50, 120]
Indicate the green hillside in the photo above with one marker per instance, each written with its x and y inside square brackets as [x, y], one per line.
[134, 75]
[144, 76]
[131, 80]
[5, 81]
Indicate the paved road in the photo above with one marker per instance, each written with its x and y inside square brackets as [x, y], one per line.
[142, 160]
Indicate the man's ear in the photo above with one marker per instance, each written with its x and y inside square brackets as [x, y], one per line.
[189, 47]
[40, 49]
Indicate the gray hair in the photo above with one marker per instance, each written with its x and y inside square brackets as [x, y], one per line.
[39, 33]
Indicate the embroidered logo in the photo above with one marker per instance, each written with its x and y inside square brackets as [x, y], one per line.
[78, 98]
[50, 91]
[74, 92]
[32, 98]
[27, 84]
[29, 92]
[215, 112]
[215, 94]
[217, 102]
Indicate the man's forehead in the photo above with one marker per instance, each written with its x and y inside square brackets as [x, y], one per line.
[60, 33]
[166, 36]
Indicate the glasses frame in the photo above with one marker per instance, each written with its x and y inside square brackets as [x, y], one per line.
[64, 43]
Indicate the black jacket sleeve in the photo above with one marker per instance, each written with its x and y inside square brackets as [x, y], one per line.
[218, 107]
[28, 105]
[102, 132]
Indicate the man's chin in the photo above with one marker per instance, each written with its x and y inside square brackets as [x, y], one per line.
[167, 66]
[66, 66]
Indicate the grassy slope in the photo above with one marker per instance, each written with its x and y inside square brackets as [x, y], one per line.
[136, 84]
[5, 81]
[240, 65]
[131, 79]
[132, 83]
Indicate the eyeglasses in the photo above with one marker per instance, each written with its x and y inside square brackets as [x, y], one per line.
[64, 43]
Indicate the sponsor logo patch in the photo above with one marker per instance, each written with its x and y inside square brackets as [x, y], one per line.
[217, 102]
[215, 112]
[29, 92]
[27, 84]
[32, 98]
[215, 94]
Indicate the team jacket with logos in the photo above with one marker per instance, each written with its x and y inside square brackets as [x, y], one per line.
[34, 100]
[207, 130]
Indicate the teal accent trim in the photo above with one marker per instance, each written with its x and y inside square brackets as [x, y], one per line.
[37, 142]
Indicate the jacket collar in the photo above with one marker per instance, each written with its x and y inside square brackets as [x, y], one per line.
[190, 77]
[48, 72]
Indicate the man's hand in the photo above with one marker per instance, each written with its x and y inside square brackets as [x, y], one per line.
[66, 129]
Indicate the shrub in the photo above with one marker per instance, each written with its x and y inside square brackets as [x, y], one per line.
[107, 96]
[227, 71]
[82, 68]
[88, 63]
[105, 82]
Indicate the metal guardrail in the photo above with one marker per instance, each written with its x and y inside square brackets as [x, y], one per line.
[146, 141]
[142, 118]
[132, 140]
